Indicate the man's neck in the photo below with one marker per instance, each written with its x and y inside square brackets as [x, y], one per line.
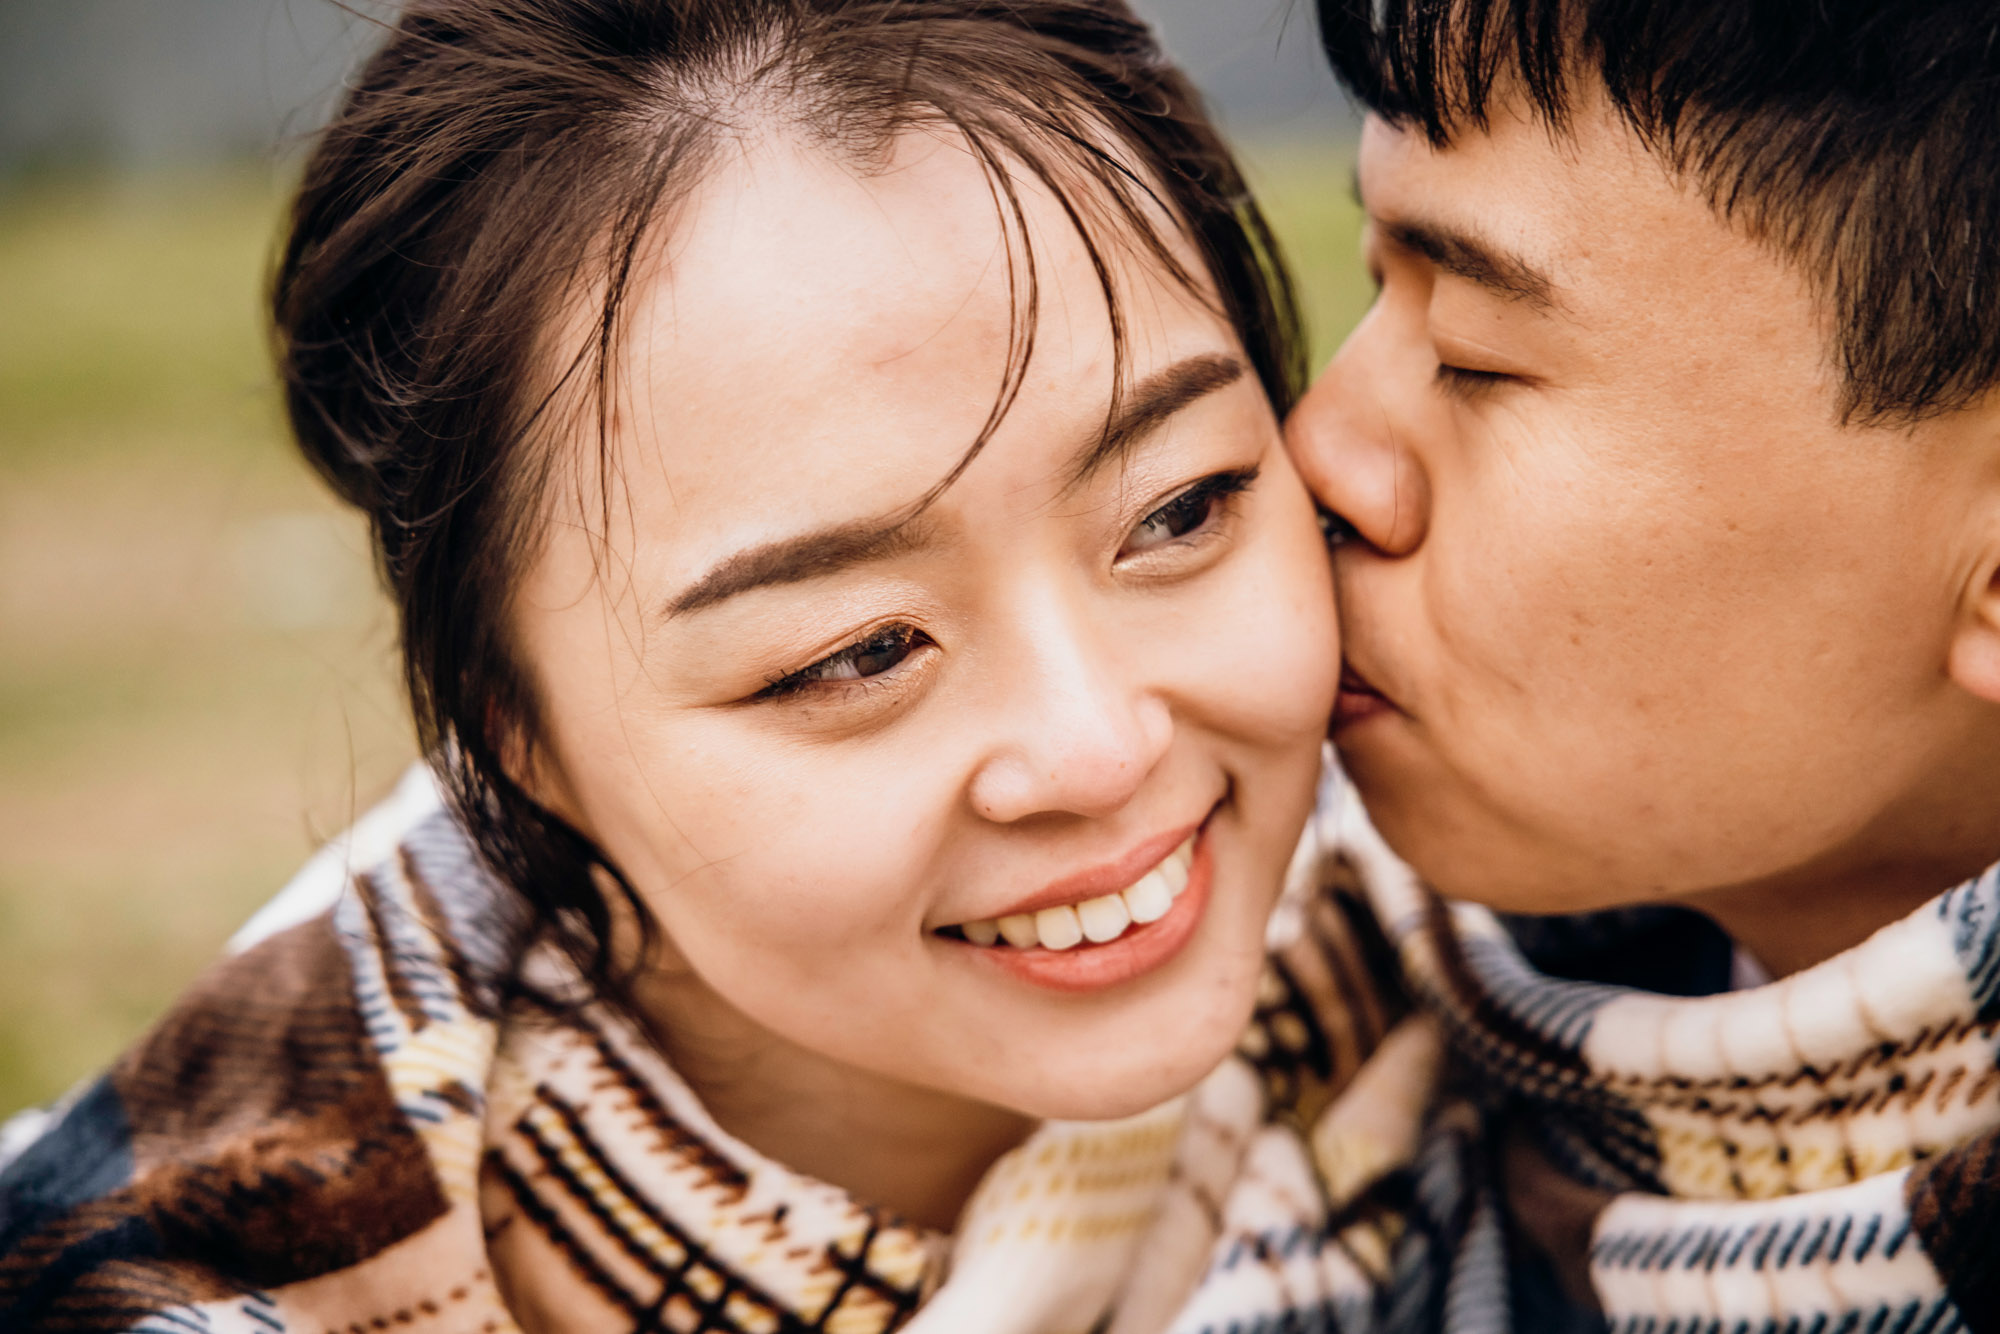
[1789, 924]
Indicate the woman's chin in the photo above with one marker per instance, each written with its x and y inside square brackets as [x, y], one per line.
[1117, 1066]
[1118, 1079]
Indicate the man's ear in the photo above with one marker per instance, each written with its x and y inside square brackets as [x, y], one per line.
[1974, 662]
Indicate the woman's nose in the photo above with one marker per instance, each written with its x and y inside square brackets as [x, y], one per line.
[1075, 737]
[1354, 442]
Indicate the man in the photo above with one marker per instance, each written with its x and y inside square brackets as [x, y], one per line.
[1666, 473]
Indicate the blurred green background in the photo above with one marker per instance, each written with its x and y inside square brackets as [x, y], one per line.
[196, 671]
[194, 666]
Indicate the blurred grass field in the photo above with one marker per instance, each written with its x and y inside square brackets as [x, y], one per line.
[196, 673]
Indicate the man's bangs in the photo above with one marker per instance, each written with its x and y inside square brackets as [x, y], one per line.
[1438, 64]
[1856, 141]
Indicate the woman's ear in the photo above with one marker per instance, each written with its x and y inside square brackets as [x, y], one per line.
[528, 766]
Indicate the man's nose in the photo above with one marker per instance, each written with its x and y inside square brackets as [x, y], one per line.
[1358, 452]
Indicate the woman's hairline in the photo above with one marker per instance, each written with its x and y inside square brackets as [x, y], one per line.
[595, 310]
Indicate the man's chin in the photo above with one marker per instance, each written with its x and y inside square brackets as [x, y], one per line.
[1466, 853]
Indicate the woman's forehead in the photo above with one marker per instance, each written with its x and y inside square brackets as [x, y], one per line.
[811, 337]
[790, 278]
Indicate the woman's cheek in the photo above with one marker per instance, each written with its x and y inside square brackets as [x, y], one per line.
[818, 868]
[1274, 646]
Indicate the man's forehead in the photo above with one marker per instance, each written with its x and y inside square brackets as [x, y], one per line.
[1637, 257]
[1462, 239]
[1537, 217]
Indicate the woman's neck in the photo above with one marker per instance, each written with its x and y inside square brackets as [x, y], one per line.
[915, 1151]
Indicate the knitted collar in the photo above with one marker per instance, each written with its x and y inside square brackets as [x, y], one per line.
[1797, 1133]
[562, 1176]
[612, 1199]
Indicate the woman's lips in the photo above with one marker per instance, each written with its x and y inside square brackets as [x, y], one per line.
[1139, 948]
[1357, 701]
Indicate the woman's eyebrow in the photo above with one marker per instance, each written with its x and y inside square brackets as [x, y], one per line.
[792, 560]
[1152, 401]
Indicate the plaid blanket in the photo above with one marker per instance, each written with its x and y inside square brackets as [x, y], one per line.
[330, 1134]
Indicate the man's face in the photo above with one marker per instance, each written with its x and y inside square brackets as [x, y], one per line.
[1649, 620]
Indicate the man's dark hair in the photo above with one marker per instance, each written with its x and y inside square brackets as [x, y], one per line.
[496, 163]
[1859, 137]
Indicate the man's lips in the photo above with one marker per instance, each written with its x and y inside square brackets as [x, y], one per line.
[1358, 700]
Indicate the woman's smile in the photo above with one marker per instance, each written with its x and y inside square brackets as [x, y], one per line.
[871, 641]
[1082, 934]
[922, 759]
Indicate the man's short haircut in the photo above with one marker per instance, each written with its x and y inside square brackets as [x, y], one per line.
[1861, 138]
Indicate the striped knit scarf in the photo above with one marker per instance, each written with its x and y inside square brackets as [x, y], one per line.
[1816, 1154]
[327, 1136]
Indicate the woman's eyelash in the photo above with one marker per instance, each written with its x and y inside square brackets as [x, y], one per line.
[1199, 500]
[885, 649]
[1223, 485]
[894, 642]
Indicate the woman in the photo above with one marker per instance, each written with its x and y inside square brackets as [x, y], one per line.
[874, 653]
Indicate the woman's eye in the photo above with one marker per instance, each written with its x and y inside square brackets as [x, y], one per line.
[878, 654]
[1188, 512]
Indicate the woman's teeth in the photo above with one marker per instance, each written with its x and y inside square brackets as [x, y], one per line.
[1099, 920]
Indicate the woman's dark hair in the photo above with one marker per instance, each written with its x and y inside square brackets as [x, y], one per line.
[496, 159]
[1861, 138]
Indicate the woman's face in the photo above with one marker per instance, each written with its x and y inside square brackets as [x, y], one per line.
[994, 801]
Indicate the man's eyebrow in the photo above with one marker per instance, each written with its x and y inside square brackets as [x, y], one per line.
[1471, 258]
[1152, 401]
[792, 560]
